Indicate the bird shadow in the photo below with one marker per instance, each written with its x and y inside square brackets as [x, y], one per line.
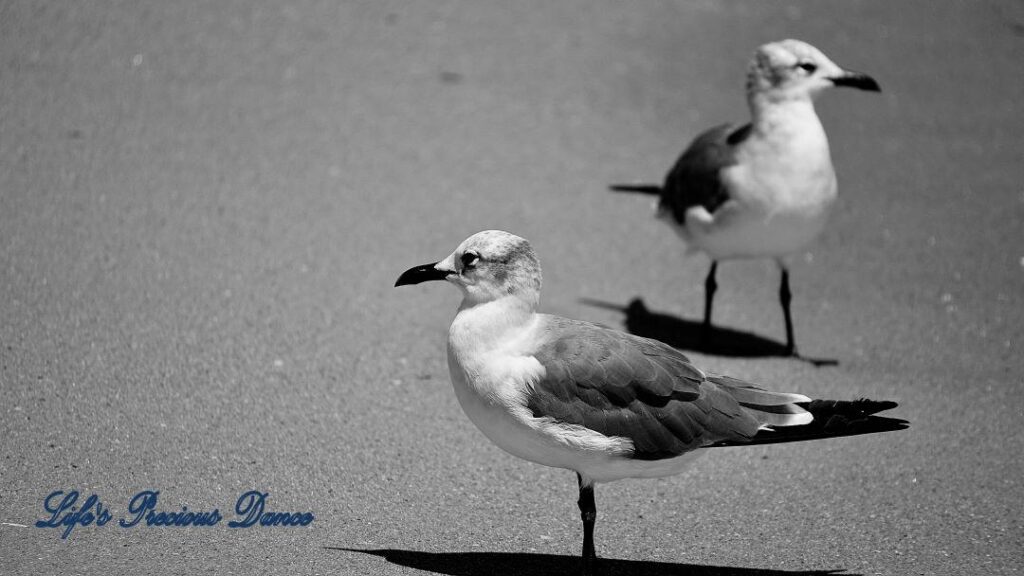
[690, 334]
[490, 563]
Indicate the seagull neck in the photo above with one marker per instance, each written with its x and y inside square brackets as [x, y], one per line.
[491, 321]
[780, 115]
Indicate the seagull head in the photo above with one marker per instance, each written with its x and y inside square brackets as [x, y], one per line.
[791, 69]
[487, 266]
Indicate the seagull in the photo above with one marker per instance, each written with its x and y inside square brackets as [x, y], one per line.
[763, 189]
[603, 403]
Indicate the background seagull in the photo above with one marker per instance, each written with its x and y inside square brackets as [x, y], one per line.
[764, 189]
[605, 404]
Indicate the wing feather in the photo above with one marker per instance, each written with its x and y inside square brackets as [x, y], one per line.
[695, 180]
[631, 387]
[747, 393]
[623, 385]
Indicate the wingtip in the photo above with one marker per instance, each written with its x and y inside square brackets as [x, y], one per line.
[874, 424]
[875, 406]
[650, 189]
[852, 408]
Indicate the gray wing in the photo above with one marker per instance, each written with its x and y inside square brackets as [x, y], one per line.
[695, 180]
[623, 385]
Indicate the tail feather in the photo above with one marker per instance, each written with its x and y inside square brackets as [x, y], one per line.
[637, 189]
[830, 419]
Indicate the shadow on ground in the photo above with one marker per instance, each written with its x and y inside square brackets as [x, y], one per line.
[689, 334]
[491, 563]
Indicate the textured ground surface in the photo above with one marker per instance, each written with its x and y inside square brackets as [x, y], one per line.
[203, 209]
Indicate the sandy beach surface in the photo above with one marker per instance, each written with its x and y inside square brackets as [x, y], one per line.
[204, 207]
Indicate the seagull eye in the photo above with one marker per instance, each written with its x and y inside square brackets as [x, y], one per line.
[469, 260]
[807, 67]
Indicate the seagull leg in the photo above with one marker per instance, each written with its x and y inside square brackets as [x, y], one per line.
[588, 512]
[709, 295]
[785, 296]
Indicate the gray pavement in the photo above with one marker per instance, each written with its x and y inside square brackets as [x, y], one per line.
[203, 208]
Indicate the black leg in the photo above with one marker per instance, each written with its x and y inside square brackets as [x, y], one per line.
[709, 295]
[588, 512]
[785, 296]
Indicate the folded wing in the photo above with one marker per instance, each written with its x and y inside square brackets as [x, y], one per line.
[641, 389]
[695, 178]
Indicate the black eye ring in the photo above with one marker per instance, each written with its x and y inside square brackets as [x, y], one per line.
[469, 260]
[807, 67]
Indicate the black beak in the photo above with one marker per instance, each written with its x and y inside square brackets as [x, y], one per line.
[422, 273]
[856, 80]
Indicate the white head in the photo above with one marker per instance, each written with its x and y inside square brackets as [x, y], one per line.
[487, 266]
[791, 69]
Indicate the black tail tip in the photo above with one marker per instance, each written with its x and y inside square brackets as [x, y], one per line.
[849, 408]
[851, 417]
[873, 406]
[869, 425]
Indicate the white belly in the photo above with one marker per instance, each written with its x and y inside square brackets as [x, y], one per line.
[764, 218]
[740, 233]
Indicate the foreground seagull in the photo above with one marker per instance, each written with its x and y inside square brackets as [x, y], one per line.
[605, 404]
[764, 189]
